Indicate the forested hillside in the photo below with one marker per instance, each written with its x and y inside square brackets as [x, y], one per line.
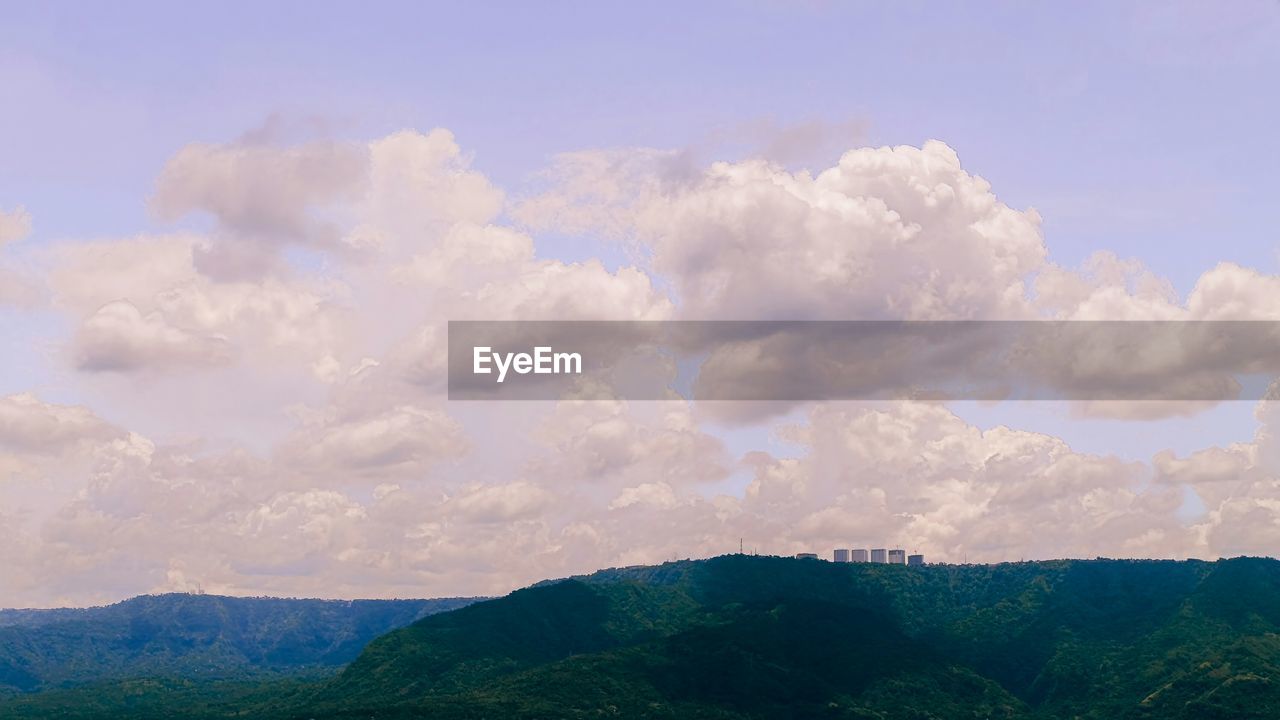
[740, 637]
[192, 637]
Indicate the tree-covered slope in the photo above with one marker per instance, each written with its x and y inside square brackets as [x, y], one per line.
[739, 637]
[32, 618]
[193, 636]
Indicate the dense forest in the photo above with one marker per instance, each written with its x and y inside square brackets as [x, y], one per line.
[741, 637]
[195, 637]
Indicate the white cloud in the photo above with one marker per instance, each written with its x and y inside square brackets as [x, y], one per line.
[901, 232]
[120, 338]
[30, 425]
[399, 440]
[141, 304]
[657, 494]
[422, 184]
[364, 482]
[263, 198]
[14, 225]
[917, 476]
[502, 503]
[603, 443]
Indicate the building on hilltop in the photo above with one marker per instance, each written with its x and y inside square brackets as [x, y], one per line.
[806, 556]
[895, 556]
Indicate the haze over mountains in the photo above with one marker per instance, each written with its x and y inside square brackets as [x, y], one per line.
[193, 636]
[733, 637]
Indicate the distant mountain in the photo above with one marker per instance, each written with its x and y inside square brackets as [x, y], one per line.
[739, 638]
[193, 636]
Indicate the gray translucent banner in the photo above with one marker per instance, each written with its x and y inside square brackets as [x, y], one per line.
[796, 361]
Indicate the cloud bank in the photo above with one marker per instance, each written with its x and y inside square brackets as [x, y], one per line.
[260, 406]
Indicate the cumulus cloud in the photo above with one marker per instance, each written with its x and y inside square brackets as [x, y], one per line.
[257, 188]
[141, 304]
[899, 233]
[917, 476]
[367, 483]
[411, 230]
[614, 444]
[502, 503]
[262, 198]
[895, 474]
[422, 184]
[656, 494]
[30, 425]
[902, 233]
[119, 337]
[399, 440]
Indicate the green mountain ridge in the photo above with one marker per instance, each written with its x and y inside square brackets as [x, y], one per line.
[738, 637]
[776, 637]
[194, 636]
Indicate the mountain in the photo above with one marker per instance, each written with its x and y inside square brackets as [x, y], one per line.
[759, 637]
[740, 637]
[193, 636]
[32, 618]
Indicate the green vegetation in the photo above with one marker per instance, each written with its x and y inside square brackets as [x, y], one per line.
[193, 637]
[741, 637]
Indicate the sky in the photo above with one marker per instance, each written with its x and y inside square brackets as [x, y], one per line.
[231, 234]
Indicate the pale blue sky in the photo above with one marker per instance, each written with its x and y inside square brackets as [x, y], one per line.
[1143, 128]
[1146, 129]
